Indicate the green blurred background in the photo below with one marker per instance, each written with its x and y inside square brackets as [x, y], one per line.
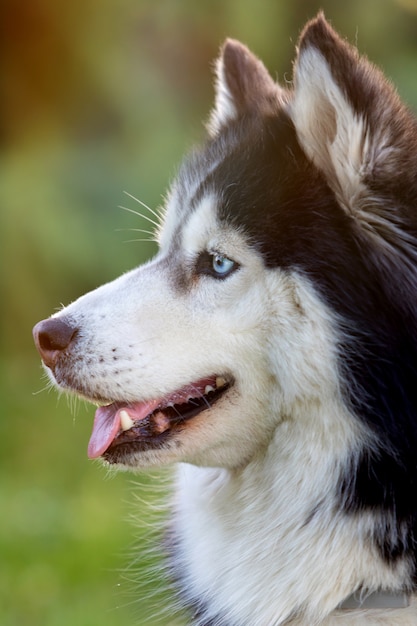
[98, 97]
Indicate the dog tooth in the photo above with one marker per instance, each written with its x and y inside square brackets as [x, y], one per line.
[161, 423]
[208, 389]
[220, 381]
[126, 422]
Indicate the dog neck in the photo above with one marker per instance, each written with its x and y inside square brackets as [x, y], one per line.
[276, 543]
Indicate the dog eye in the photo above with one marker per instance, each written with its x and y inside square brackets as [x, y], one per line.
[222, 266]
[216, 265]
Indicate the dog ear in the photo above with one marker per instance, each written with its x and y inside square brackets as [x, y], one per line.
[243, 86]
[348, 118]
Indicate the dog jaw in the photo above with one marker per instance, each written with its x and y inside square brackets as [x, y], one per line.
[148, 424]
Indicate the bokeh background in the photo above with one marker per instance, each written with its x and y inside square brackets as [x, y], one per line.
[101, 97]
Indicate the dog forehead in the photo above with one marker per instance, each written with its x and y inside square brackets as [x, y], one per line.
[201, 224]
[187, 226]
[202, 229]
[205, 230]
[188, 195]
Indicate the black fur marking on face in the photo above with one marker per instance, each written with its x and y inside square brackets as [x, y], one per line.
[271, 192]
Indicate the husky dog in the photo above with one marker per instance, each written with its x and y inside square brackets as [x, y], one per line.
[270, 348]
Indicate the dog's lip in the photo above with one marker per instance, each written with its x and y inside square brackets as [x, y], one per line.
[124, 421]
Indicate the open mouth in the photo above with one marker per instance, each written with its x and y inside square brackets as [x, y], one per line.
[147, 424]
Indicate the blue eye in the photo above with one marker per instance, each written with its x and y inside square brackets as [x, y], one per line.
[222, 266]
[215, 264]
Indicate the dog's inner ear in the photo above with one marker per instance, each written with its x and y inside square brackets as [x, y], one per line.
[243, 86]
[348, 118]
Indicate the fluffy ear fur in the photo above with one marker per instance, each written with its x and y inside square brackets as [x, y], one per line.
[243, 86]
[348, 118]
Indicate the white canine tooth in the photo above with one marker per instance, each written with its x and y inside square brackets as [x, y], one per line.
[126, 422]
[220, 381]
[208, 389]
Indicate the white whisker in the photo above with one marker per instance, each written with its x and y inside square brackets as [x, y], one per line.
[148, 240]
[73, 404]
[202, 396]
[137, 230]
[49, 385]
[155, 213]
[145, 217]
[193, 401]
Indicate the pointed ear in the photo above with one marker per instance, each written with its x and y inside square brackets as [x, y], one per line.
[243, 85]
[348, 118]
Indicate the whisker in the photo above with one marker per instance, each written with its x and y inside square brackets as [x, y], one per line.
[206, 401]
[137, 230]
[149, 240]
[174, 408]
[49, 385]
[202, 396]
[145, 206]
[145, 217]
[73, 405]
[193, 401]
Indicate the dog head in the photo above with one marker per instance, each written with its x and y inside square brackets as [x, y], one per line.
[284, 289]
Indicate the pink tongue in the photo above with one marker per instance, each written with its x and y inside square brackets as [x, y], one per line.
[107, 419]
[107, 424]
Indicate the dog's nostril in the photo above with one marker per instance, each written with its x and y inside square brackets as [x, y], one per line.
[51, 337]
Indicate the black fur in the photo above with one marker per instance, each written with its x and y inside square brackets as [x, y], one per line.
[268, 186]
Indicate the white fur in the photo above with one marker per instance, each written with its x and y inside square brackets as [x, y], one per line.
[246, 545]
[251, 326]
[333, 136]
[225, 109]
[262, 540]
[275, 442]
[340, 143]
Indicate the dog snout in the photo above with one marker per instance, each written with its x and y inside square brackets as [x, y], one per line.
[52, 337]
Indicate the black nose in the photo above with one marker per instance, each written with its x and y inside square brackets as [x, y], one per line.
[52, 336]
